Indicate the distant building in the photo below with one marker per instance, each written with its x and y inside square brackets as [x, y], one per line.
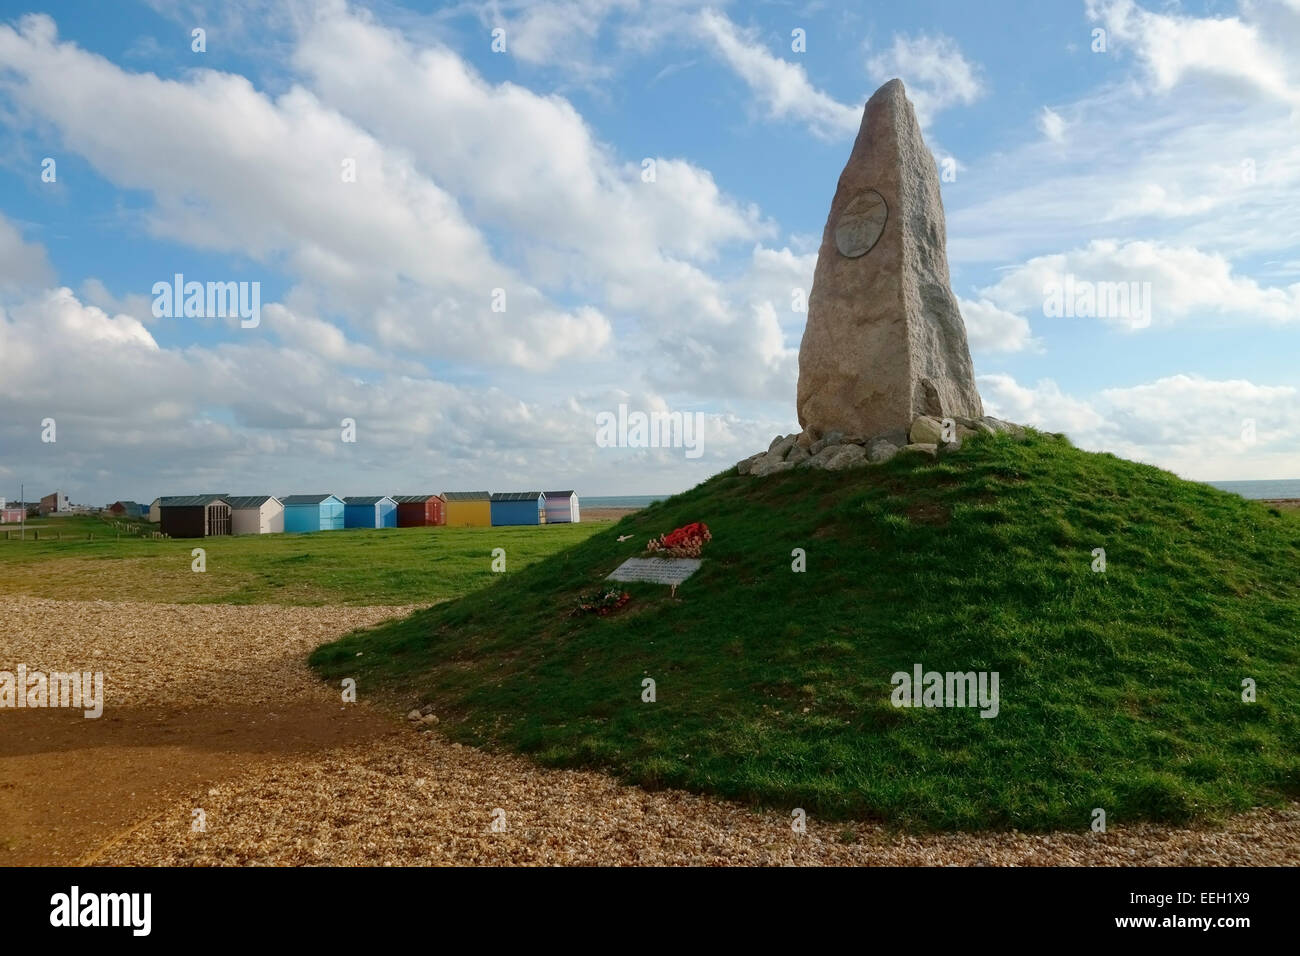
[369, 511]
[128, 509]
[418, 511]
[195, 516]
[10, 515]
[468, 509]
[256, 514]
[313, 513]
[518, 507]
[561, 507]
[55, 503]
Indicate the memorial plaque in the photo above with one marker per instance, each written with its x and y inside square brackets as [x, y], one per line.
[861, 224]
[670, 571]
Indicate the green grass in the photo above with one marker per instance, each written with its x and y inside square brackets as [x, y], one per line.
[1119, 690]
[390, 566]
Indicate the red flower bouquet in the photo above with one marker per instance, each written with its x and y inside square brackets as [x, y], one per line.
[685, 542]
[601, 603]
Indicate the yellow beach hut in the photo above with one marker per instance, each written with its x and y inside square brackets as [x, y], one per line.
[468, 509]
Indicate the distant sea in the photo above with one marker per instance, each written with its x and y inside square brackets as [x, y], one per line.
[1282, 488]
[620, 501]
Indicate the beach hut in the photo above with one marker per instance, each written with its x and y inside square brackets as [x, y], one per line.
[369, 511]
[155, 510]
[561, 507]
[313, 513]
[256, 514]
[468, 509]
[518, 507]
[127, 509]
[419, 511]
[194, 516]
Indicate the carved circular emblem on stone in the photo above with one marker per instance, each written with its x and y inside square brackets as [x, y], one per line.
[860, 224]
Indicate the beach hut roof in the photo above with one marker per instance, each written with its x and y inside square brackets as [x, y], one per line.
[366, 499]
[189, 501]
[466, 496]
[305, 499]
[559, 494]
[516, 496]
[412, 499]
[240, 502]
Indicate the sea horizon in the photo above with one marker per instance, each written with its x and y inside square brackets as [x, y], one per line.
[620, 501]
[1261, 487]
[1254, 489]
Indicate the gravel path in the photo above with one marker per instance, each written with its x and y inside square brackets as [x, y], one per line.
[212, 708]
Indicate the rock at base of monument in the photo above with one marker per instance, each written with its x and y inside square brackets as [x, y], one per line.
[848, 456]
[1001, 427]
[820, 459]
[881, 450]
[976, 426]
[836, 451]
[926, 430]
[781, 445]
[770, 465]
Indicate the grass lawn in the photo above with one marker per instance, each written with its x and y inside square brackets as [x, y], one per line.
[355, 566]
[1120, 690]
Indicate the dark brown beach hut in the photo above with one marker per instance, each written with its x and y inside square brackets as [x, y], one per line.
[194, 516]
[419, 511]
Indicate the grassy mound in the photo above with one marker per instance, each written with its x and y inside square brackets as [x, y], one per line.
[1120, 690]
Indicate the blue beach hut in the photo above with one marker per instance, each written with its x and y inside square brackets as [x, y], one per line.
[313, 513]
[369, 511]
[518, 507]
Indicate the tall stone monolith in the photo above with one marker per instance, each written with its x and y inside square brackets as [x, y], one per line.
[885, 342]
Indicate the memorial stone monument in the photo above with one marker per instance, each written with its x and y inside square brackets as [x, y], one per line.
[884, 363]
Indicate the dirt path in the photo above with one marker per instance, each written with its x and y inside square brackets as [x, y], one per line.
[194, 694]
[211, 707]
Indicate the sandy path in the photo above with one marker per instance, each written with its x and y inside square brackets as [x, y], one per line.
[194, 694]
[211, 707]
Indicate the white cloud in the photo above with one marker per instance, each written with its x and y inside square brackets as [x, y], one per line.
[1042, 405]
[1184, 282]
[558, 33]
[780, 87]
[23, 265]
[1052, 124]
[933, 69]
[1191, 425]
[258, 418]
[991, 329]
[233, 170]
[135, 304]
[578, 217]
[1173, 48]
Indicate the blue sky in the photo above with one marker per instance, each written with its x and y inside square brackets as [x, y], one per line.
[1171, 158]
